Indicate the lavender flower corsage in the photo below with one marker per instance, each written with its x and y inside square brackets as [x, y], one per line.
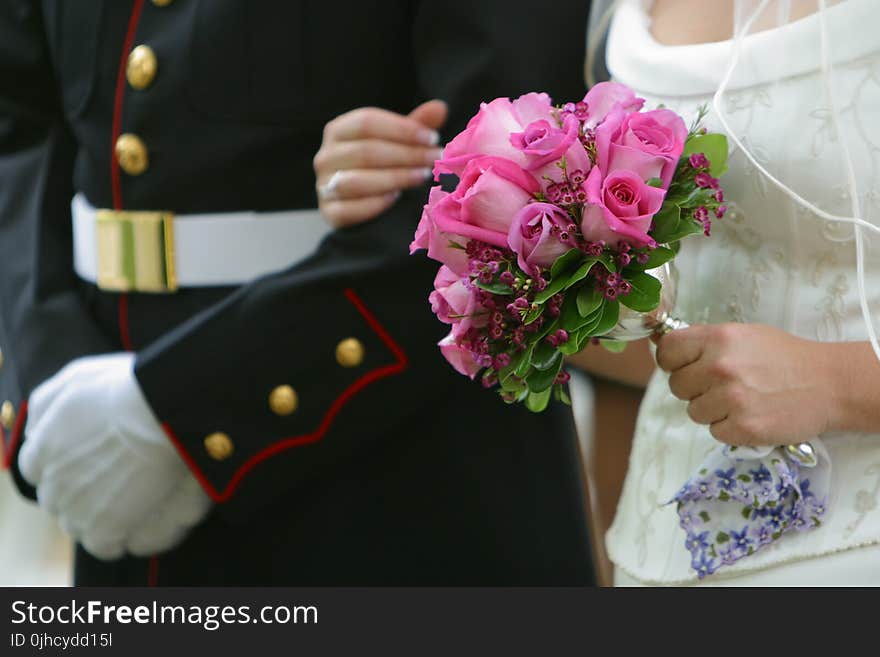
[744, 498]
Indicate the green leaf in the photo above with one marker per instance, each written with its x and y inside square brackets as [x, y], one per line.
[744, 477]
[589, 328]
[541, 380]
[562, 395]
[723, 496]
[645, 293]
[614, 346]
[525, 362]
[655, 182]
[588, 300]
[610, 315]
[537, 401]
[507, 372]
[584, 335]
[513, 384]
[544, 355]
[704, 516]
[533, 314]
[722, 538]
[581, 272]
[746, 512]
[553, 287]
[673, 225]
[713, 146]
[697, 196]
[666, 221]
[572, 346]
[494, 288]
[659, 256]
[570, 319]
[565, 262]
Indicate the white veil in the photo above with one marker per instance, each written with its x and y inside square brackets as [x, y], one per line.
[827, 44]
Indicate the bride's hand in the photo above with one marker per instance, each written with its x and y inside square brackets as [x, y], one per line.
[368, 155]
[753, 384]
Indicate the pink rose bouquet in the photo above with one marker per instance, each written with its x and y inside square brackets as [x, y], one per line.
[559, 215]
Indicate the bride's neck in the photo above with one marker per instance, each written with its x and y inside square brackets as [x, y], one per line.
[680, 22]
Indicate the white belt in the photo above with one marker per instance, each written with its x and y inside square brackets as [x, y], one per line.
[159, 252]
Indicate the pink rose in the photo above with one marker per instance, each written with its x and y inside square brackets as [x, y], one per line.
[488, 133]
[450, 298]
[439, 244]
[604, 97]
[543, 143]
[535, 235]
[647, 143]
[619, 208]
[460, 358]
[454, 303]
[489, 194]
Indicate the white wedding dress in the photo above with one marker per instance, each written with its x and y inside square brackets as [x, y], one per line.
[768, 261]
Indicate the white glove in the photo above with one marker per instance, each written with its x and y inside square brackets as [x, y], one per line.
[102, 463]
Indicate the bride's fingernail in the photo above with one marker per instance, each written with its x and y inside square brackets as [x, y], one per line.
[428, 137]
[391, 197]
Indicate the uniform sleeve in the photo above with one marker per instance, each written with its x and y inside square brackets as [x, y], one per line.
[43, 323]
[317, 363]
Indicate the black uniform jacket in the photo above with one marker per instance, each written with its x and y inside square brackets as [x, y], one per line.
[393, 471]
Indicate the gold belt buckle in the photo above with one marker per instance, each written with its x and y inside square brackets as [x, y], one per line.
[135, 251]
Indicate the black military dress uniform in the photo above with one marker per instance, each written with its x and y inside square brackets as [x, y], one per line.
[313, 404]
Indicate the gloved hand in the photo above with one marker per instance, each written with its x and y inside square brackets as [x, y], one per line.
[102, 463]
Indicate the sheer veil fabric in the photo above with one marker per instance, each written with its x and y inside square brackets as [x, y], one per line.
[835, 33]
[796, 88]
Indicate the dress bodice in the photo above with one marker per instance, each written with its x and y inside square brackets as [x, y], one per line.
[768, 261]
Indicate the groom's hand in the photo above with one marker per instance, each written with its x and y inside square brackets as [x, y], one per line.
[752, 384]
[101, 462]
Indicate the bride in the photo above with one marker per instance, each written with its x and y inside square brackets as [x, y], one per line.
[782, 298]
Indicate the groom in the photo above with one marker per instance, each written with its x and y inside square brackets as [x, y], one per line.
[208, 396]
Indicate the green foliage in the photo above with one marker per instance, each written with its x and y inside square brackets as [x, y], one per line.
[588, 300]
[541, 380]
[537, 401]
[672, 224]
[544, 355]
[659, 256]
[494, 288]
[608, 319]
[614, 346]
[568, 270]
[713, 146]
[645, 294]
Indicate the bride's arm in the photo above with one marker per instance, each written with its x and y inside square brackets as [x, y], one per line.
[633, 366]
[854, 373]
[758, 385]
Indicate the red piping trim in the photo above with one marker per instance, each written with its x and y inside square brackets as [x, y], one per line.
[296, 441]
[17, 430]
[117, 102]
[124, 335]
[153, 571]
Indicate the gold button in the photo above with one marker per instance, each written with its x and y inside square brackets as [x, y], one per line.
[7, 415]
[131, 153]
[162, 3]
[219, 446]
[1, 358]
[141, 67]
[283, 400]
[350, 352]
